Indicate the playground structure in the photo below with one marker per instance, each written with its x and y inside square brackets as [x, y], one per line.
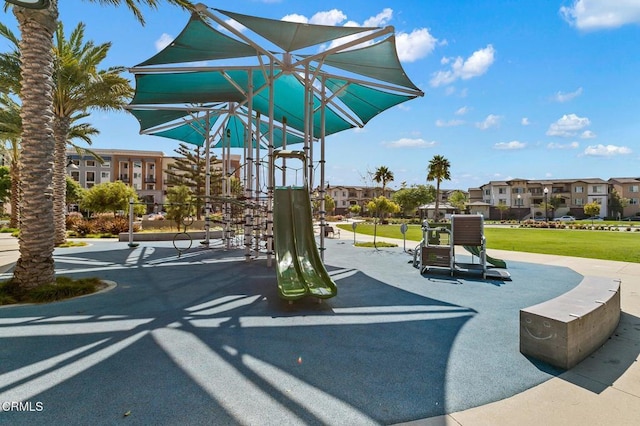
[438, 248]
[262, 97]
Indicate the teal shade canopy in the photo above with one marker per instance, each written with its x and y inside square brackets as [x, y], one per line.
[374, 82]
[198, 41]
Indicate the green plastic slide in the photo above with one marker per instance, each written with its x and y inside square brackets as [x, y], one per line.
[299, 268]
[498, 263]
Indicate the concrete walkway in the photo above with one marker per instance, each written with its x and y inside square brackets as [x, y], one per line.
[602, 390]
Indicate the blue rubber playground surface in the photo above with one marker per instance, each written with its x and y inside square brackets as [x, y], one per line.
[203, 338]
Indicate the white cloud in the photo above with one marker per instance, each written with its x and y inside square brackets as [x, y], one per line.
[410, 143]
[415, 45]
[588, 134]
[492, 120]
[294, 17]
[329, 17]
[234, 24]
[525, 121]
[510, 145]
[164, 40]
[601, 14]
[555, 145]
[462, 111]
[381, 19]
[565, 97]
[568, 126]
[450, 123]
[606, 150]
[475, 65]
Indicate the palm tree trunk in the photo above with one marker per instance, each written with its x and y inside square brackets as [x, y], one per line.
[15, 194]
[35, 266]
[61, 129]
[436, 212]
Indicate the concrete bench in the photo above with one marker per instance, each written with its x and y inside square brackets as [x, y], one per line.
[565, 330]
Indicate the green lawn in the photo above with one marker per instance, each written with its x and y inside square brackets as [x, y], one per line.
[608, 245]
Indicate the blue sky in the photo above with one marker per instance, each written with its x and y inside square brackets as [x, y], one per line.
[513, 89]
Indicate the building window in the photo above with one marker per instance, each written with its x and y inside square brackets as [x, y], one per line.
[105, 176]
[487, 192]
[502, 202]
[90, 163]
[75, 175]
[502, 190]
[579, 189]
[90, 177]
[633, 201]
[106, 164]
[578, 202]
[634, 188]
[596, 189]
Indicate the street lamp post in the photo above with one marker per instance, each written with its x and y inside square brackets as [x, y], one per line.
[546, 204]
[519, 204]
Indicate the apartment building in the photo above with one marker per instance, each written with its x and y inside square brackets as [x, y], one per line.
[346, 196]
[139, 169]
[526, 198]
[629, 189]
[142, 170]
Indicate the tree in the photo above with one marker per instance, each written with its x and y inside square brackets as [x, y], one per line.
[190, 170]
[592, 209]
[459, 200]
[111, 197]
[10, 130]
[502, 208]
[5, 183]
[180, 205]
[74, 192]
[383, 175]
[35, 266]
[438, 170]
[79, 85]
[329, 204]
[617, 204]
[414, 196]
[380, 206]
[355, 209]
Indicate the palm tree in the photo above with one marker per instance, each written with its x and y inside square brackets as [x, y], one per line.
[383, 175]
[35, 266]
[79, 86]
[10, 130]
[438, 170]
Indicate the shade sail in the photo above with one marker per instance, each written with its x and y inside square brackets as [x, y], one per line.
[364, 101]
[194, 131]
[149, 118]
[353, 101]
[289, 107]
[379, 61]
[200, 42]
[291, 36]
[186, 88]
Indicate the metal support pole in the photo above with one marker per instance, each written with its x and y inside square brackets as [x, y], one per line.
[131, 243]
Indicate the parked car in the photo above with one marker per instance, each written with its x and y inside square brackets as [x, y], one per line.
[592, 218]
[565, 218]
[630, 218]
